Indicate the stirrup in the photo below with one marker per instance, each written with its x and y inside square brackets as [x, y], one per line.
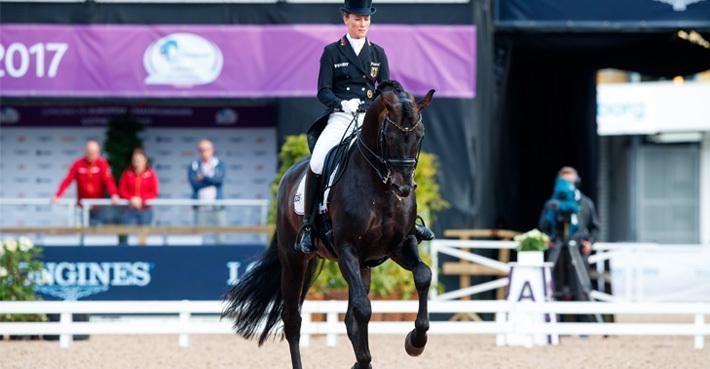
[304, 240]
[421, 231]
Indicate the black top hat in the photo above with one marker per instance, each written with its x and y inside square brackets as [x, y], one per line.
[359, 7]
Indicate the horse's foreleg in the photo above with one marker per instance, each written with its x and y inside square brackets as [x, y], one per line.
[408, 258]
[359, 309]
[292, 277]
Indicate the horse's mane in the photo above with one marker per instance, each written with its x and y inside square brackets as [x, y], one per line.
[396, 88]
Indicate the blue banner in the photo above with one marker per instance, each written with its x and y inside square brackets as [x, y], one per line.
[603, 13]
[143, 273]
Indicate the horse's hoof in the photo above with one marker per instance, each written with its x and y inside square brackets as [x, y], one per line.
[409, 346]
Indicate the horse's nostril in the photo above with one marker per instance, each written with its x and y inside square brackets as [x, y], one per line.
[403, 190]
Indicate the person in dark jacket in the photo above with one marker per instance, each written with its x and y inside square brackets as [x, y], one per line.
[568, 216]
[350, 70]
[206, 175]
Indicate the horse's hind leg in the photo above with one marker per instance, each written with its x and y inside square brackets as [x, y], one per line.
[292, 277]
[408, 258]
[359, 309]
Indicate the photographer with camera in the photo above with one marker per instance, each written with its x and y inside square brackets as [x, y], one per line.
[570, 219]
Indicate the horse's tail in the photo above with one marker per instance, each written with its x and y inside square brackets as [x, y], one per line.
[255, 302]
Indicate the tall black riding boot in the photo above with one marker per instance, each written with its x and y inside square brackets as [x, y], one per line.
[421, 232]
[305, 243]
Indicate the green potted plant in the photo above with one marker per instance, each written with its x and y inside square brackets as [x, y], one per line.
[531, 247]
[19, 272]
[389, 281]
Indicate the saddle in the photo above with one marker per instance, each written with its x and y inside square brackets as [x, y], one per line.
[333, 168]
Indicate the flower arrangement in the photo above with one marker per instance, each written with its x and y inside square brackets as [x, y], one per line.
[533, 240]
[19, 271]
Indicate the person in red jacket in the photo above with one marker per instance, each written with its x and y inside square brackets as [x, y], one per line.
[93, 179]
[138, 184]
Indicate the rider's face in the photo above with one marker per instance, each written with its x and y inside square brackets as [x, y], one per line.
[358, 25]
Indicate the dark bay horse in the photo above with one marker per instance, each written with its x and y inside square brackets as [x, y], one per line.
[373, 211]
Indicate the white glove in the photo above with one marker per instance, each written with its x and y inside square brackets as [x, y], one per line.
[350, 106]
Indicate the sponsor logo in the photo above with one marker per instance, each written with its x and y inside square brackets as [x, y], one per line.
[70, 152]
[43, 180]
[260, 139]
[163, 167]
[44, 138]
[679, 5]
[182, 59]
[259, 181]
[21, 139]
[163, 139]
[236, 166]
[260, 152]
[22, 180]
[188, 139]
[236, 139]
[44, 166]
[226, 117]
[186, 153]
[233, 268]
[74, 280]
[21, 166]
[21, 152]
[68, 139]
[231, 153]
[43, 152]
[9, 115]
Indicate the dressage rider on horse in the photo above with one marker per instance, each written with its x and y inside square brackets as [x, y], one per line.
[350, 68]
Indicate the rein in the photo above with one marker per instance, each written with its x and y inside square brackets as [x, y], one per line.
[381, 158]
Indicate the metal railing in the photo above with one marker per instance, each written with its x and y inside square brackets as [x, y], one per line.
[185, 325]
[262, 204]
[251, 221]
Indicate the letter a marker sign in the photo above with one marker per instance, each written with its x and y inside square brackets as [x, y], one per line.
[530, 283]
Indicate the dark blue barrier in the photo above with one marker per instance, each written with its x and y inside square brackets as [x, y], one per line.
[143, 273]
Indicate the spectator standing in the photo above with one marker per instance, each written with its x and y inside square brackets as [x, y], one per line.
[93, 180]
[569, 218]
[139, 183]
[206, 175]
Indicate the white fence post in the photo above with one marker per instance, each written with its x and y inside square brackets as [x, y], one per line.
[306, 321]
[434, 249]
[65, 322]
[332, 321]
[700, 338]
[183, 321]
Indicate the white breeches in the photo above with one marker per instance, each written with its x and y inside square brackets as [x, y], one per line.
[334, 131]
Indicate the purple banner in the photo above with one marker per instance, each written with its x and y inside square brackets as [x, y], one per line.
[218, 61]
[150, 116]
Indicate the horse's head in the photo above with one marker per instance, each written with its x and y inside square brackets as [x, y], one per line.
[392, 134]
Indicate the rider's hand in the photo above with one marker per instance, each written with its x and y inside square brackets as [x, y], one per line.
[350, 106]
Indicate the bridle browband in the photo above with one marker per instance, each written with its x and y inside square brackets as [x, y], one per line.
[381, 158]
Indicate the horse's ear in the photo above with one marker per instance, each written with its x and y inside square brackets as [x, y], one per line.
[424, 102]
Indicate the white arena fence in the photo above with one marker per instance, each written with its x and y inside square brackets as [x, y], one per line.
[646, 272]
[187, 323]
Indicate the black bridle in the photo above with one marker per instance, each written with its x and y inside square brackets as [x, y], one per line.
[386, 163]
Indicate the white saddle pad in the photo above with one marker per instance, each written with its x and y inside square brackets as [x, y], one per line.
[299, 199]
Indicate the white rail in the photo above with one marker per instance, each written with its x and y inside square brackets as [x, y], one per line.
[185, 325]
[263, 204]
[462, 249]
[86, 204]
